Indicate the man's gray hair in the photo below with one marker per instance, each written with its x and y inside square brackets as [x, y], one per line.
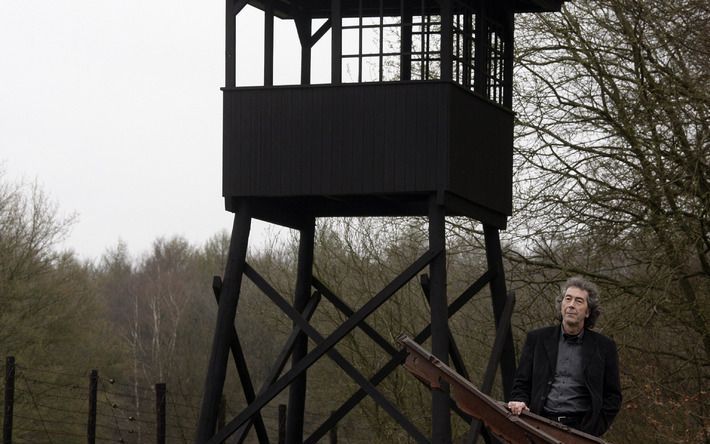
[592, 299]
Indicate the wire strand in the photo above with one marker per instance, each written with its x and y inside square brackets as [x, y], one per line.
[37, 410]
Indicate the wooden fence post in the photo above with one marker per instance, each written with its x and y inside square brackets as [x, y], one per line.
[9, 399]
[160, 413]
[91, 422]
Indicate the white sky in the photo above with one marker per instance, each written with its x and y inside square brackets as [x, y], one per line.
[114, 108]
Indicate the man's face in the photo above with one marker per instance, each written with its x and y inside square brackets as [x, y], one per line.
[574, 308]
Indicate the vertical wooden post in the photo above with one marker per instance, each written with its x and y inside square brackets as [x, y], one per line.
[9, 399]
[467, 47]
[282, 424]
[480, 61]
[336, 54]
[269, 43]
[306, 56]
[405, 64]
[303, 23]
[297, 393]
[508, 59]
[230, 47]
[91, 422]
[494, 257]
[440, 416]
[447, 40]
[160, 413]
[226, 312]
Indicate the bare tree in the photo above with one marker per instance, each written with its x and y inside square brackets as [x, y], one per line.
[613, 155]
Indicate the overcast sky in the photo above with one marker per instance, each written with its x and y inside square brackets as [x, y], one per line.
[114, 107]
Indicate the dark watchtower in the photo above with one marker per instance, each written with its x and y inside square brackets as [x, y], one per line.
[416, 120]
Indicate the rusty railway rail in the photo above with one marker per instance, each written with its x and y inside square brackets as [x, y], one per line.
[527, 428]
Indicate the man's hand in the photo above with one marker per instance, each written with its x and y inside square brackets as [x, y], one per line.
[517, 407]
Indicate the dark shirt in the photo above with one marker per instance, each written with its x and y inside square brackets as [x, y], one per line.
[568, 393]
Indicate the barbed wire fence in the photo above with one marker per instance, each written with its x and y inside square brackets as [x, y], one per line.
[45, 406]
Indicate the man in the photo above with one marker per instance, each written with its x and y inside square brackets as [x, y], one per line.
[569, 373]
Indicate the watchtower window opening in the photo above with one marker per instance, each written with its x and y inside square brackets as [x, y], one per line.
[496, 75]
[371, 49]
[464, 30]
[426, 48]
[363, 41]
[406, 45]
[392, 45]
[387, 48]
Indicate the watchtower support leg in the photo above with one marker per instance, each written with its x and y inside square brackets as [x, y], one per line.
[494, 257]
[240, 364]
[440, 417]
[227, 310]
[297, 393]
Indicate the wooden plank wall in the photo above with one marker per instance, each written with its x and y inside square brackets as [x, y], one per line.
[366, 139]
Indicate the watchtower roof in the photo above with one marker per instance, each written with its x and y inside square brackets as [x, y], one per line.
[284, 9]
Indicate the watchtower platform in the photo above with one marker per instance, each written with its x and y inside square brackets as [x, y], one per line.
[299, 151]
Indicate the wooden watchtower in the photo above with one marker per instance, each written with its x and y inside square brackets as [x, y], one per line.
[420, 124]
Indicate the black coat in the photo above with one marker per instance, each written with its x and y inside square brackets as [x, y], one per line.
[600, 362]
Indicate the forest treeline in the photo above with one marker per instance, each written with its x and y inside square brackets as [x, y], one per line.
[612, 159]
